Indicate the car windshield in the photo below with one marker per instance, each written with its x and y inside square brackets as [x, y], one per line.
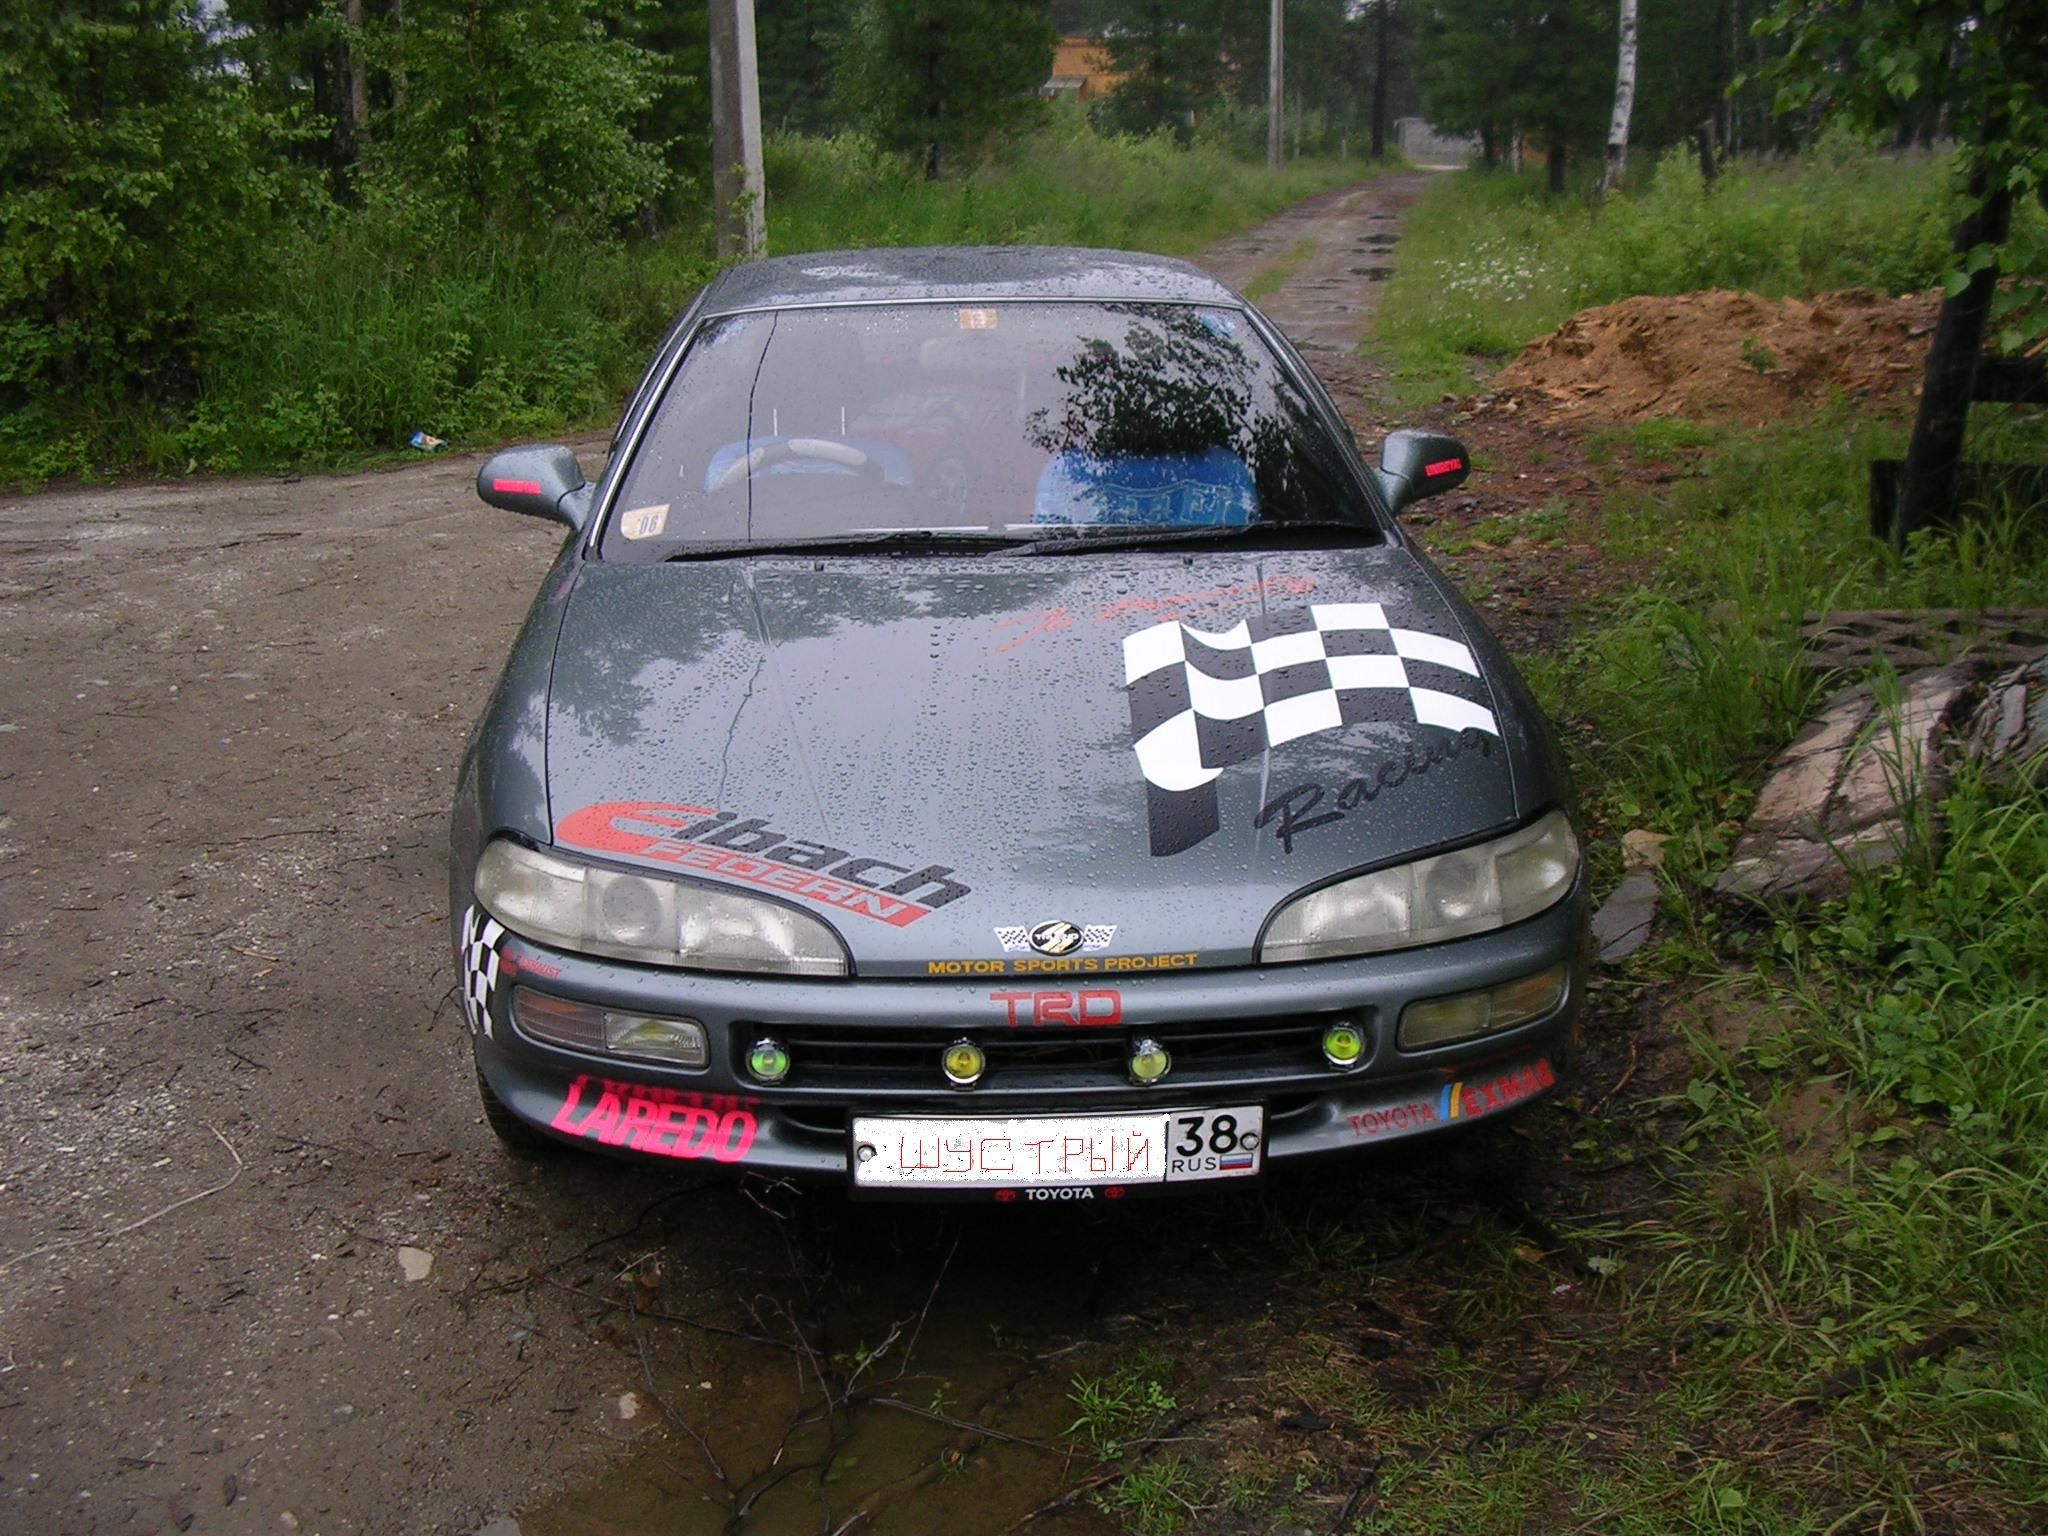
[1005, 421]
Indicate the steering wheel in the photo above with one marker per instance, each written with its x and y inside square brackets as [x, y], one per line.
[822, 451]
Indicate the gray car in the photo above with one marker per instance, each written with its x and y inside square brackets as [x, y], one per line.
[986, 735]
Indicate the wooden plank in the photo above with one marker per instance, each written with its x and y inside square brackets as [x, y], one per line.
[1906, 638]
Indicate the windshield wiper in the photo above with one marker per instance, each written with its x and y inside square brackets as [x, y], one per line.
[1262, 532]
[847, 543]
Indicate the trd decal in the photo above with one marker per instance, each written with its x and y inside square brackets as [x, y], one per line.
[712, 842]
[1294, 811]
[1057, 621]
[1058, 937]
[1469, 1100]
[1203, 701]
[1090, 1008]
[657, 1120]
[1068, 965]
[478, 958]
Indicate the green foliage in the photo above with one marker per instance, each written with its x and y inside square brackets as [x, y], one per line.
[1063, 184]
[1982, 64]
[137, 188]
[1489, 263]
[935, 78]
[515, 115]
[1545, 64]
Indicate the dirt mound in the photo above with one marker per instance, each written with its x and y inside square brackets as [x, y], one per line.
[1727, 355]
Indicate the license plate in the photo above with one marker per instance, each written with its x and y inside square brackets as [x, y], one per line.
[1168, 1146]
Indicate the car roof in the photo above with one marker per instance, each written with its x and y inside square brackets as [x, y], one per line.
[950, 273]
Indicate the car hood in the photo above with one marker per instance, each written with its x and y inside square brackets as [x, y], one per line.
[985, 765]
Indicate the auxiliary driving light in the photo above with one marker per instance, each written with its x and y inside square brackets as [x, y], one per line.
[1344, 1046]
[767, 1061]
[1149, 1061]
[963, 1062]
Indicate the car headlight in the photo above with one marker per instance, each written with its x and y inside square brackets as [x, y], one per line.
[597, 911]
[1465, 891]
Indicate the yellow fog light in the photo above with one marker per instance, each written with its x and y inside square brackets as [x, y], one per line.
[1344, 1046]
[1149, 1061]
[1445, 1020]
[963, 1062]
[767, 1061]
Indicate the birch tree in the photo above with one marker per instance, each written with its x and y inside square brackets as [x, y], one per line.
[1624, 102]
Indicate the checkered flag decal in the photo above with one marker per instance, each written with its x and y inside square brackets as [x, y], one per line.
[1201, 702]
[477, 958]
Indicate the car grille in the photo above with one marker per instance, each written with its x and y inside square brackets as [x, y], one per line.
[867, 1061]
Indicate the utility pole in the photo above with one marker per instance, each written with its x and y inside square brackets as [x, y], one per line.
[738, 192]
[1276, 101]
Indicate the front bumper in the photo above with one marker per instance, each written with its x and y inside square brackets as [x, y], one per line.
[871, 1046]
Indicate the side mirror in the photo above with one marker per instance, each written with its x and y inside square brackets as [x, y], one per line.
[536, 481]
[1418, 464]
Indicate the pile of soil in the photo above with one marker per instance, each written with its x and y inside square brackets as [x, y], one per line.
[1725, 355]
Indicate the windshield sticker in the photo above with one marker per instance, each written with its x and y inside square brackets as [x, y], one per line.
[704, 841]
[645, 522]
[1058, 937]
[977, 319]
[663, 1121]
[1064, 965]
[1202, 702]
[1294, 811]
[478, 956]
[1217, 323]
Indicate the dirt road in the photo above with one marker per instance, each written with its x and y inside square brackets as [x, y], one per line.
[261, 1266]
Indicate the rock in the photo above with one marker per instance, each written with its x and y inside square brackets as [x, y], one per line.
[1843, 795]
[1622, 924]
[415, 1264]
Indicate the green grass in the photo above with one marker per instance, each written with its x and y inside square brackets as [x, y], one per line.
[1491, 261]
[363, 329]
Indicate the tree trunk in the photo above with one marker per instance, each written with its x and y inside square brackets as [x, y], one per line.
[1489, 145]
[1515, 147]
[1705, 136]
[1553, 152]
[1382, 55]
[1927, 484]
[1624, 102]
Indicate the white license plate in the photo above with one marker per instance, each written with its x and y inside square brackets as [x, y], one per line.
[1167, 1146]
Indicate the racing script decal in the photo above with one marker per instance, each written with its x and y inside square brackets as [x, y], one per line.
[704, 841]
[1202, 701]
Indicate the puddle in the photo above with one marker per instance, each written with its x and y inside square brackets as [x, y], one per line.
[817, 1366]
[1377, 242]
[1373, 274]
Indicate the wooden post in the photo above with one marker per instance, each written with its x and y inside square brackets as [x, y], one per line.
[1276, 100]
[738, 190]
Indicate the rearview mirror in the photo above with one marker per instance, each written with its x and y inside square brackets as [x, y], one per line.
[539, 481]
[1418, 464]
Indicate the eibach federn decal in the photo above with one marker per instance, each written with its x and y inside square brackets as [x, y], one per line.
[724, 845]
[661, 1121]
[478, 957]
[1202, 701]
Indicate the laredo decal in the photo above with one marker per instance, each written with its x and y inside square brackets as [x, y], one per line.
[710, 842]
[1201, 701]
[662, 1121]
